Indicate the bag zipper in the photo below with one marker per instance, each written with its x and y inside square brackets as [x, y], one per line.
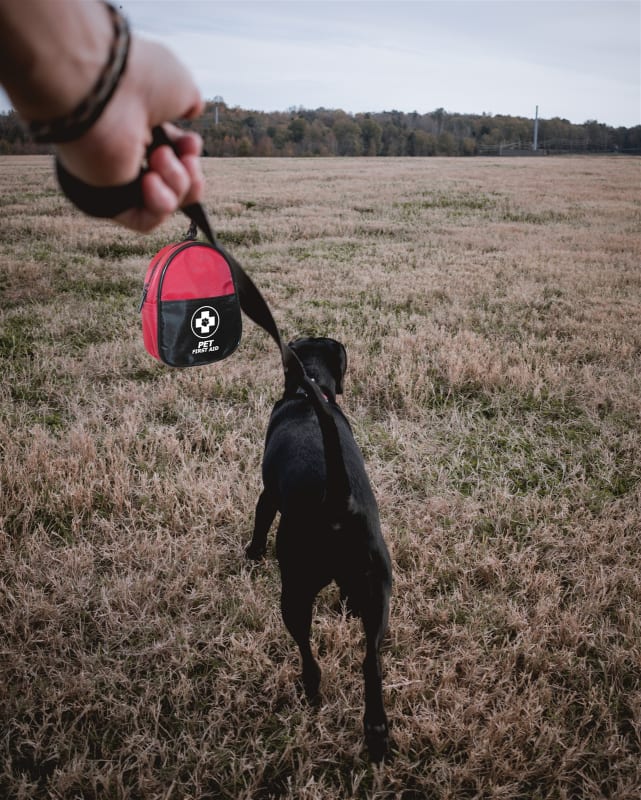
[143, 298]
[146, 285]
[170, 257]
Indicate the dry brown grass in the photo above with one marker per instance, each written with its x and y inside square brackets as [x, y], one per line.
[491, 311]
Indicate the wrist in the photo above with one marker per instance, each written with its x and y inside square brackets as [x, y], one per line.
[112, 150]
[49, 67]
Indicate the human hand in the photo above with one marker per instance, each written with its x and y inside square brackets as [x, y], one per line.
[155, 88]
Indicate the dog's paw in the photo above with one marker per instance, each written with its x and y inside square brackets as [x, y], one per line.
[313, 699]
[255, 552]
[311, 678]
[377, 742]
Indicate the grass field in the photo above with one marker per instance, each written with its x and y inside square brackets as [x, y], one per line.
[491, 311]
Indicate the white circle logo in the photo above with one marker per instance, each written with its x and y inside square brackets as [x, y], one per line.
[205, 322]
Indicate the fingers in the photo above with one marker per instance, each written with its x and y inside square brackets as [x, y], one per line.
[159, 202]
[172, 182]
[180, 175]
[196, 180]
[189, 148]
[186, 142]
[174, 178]
[139, 219]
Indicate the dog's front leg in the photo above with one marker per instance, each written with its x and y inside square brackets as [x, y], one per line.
[265, 512]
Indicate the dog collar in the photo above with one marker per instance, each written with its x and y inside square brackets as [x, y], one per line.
[302, 393]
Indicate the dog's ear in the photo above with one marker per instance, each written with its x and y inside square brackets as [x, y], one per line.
[340, 366]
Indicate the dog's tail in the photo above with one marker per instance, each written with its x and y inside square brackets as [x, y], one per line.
[337, 486]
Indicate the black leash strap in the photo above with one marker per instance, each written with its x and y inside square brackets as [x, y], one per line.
[252, 301]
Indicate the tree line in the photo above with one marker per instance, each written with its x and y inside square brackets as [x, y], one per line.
[233, 131]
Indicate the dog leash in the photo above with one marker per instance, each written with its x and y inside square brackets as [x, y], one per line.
[108, 202]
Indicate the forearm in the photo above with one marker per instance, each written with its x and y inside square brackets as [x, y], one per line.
[51, 52]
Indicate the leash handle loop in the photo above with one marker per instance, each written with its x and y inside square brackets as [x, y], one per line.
[107, 202]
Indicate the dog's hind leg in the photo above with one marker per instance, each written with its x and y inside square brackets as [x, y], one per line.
[296, 605]
[265, 512]
[374, 613]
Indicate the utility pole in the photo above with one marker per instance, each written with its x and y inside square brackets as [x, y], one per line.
[536, 130]
[218, 99]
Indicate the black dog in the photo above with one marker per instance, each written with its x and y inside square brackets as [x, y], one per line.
[314, 475]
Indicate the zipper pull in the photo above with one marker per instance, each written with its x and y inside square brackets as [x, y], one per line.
[145, 288]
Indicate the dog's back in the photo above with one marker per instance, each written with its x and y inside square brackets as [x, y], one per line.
[295, 460]
[317, 529]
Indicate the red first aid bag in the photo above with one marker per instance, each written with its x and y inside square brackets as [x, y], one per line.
[190, 308]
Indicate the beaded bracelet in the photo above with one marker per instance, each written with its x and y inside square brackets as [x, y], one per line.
[73, 125]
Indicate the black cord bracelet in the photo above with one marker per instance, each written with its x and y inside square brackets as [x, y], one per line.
[75, 124]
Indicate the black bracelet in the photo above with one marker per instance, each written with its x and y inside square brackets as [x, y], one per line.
[73, 125]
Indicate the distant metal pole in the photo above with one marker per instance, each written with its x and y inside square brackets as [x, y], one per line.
[536, 130]
[218, 99]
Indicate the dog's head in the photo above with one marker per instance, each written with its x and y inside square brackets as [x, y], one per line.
[324, 359]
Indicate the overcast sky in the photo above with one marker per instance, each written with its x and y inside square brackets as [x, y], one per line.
[576, 59]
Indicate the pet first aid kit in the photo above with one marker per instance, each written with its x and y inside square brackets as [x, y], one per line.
[190, 307]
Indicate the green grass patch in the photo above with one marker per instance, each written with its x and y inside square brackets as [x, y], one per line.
[543, 447]
[245, 238]
[101, 288]
[17, 336]
[117, 249]
[453, 202]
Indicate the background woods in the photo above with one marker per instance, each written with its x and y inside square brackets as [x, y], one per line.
[233, 131]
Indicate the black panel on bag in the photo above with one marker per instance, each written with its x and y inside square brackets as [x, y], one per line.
[195, 332]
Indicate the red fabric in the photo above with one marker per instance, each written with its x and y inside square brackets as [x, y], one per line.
[197, 272]
[149, 310]
[154, 271]
[150, 328]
